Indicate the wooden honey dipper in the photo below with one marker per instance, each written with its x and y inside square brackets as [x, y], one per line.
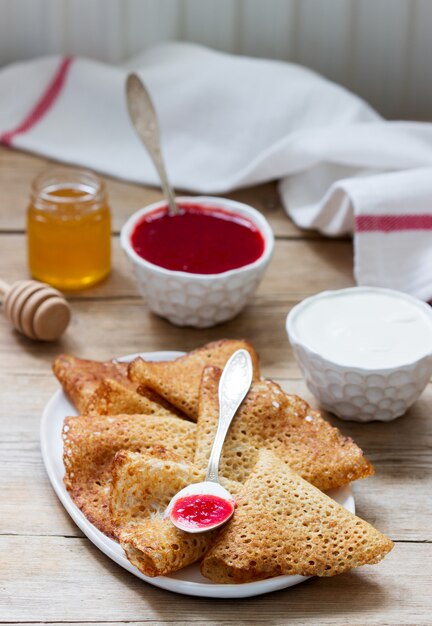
[35, 309]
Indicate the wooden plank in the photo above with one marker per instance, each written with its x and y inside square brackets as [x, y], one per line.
[30, 506]
[18, 170]
[93, 588]
[390, 500]
[291, 273]
[103, 329]
[99, 328]
[400, 451]
[50, 573]
[119, 284]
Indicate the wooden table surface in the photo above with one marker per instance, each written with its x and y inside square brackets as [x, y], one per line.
[50, 573]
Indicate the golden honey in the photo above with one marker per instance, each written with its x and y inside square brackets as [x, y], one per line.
[69, 229]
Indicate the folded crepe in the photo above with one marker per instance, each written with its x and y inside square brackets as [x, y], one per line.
[270, 418]
[103, 388]
[142, 487]
[284, 525]
[179, 381]
[80, 378]
[91, 442]
[113, 398]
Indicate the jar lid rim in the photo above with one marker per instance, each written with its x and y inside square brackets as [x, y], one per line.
[44, 185]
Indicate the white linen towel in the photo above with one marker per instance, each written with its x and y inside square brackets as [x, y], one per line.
[230, 121]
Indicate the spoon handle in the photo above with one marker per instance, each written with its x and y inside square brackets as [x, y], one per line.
[233, 386]
[144, 119]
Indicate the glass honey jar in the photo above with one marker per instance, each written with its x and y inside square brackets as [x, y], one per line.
[69, 229]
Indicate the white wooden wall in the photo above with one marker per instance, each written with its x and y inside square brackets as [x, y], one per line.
[381, 49]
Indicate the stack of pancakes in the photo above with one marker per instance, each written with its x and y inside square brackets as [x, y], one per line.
[145, 431]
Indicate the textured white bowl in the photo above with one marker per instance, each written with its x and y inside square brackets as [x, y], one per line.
[198, 300]
[356, 393]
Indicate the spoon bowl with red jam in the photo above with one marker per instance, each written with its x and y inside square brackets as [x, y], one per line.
[204, 506]
[198, 267]
[201, 507]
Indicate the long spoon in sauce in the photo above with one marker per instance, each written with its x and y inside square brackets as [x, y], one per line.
[144, 118]
[207, 505]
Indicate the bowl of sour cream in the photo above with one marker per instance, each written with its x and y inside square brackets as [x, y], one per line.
[365, 352]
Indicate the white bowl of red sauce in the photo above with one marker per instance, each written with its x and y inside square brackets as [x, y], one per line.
[198, 268]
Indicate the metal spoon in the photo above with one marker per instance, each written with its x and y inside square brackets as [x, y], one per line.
[233, 386]
[145, 121]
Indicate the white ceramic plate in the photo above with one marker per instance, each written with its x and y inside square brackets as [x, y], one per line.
[188, 580]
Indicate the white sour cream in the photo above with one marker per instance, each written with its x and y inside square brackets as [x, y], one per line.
[365, 327]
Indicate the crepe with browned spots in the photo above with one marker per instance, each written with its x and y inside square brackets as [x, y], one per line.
[142, 487]
[91, 442]
[103, 388]
[270, 418]
[284, 525]
[179, 381]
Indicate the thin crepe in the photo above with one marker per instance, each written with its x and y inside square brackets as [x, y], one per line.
[91, 442]
[103, 388]
[179, 381]
[113, 398]
[142, 487]
[270, 418]
[80, 378]
[284, 525]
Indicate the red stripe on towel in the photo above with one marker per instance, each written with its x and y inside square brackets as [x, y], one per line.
[43, 105]
[392, 223]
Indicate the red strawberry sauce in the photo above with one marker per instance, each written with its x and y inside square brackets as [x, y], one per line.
[200, 240]
[201, 510]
